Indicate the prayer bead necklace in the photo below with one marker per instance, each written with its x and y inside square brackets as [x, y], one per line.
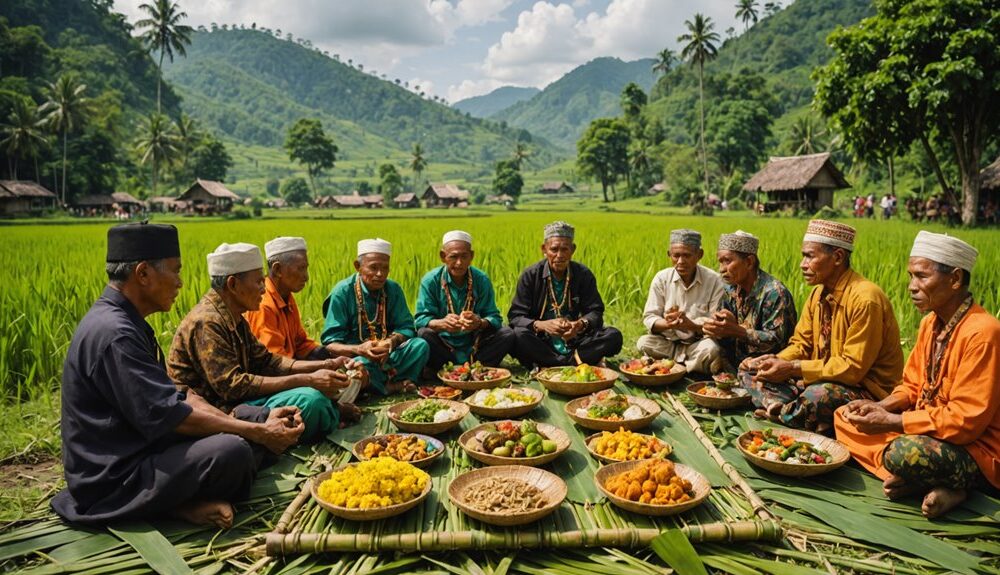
[557, 305]
[470, 299]
[374, 333]
[933, 383]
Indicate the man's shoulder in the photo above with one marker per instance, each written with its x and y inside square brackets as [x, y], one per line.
[103, 324]
[202, 313]
[980, 324]
[431, 276]
[346, 284]
[865, 291]
[580, 269]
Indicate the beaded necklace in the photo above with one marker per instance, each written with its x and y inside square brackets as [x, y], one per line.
[557, 306]
[933, 383]
[470, 299]
[375, 332]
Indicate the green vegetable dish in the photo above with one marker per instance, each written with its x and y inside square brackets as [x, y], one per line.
[513, 439]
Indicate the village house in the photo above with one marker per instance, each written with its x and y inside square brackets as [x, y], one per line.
[208, 197]
[804, 183]
[445, 196]
[23, 197]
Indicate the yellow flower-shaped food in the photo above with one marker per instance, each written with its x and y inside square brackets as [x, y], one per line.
[379, 482]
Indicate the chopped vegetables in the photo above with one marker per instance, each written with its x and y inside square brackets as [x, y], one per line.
[400, 447]
[784, 448]
[428, 411]
[474, 372]
[582, 373]
[609, 406]
[646, 365]
[501, 398]
[514, 439]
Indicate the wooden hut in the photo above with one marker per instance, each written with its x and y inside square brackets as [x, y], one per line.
[656, 189]
[209, 197]
[23, 197]
[805, 183]
[555, 188]
[445, 195]
[989, 193]
[407, 200]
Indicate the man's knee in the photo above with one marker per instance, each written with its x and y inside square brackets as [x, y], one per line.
[418, 348]
[614, 339]
[650, 344]
[427, 333]
[505, 335]
[224, 455]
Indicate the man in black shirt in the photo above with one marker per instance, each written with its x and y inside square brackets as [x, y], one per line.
[557, 313]
[134, 446]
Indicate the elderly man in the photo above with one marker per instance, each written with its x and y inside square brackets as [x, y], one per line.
[845, 346]
[133, 445]
[758, 313]
[938, 433]
[367, 317]
[215, 353]
[457, 312]
[278, 324]
[557, 313]
[681, 299]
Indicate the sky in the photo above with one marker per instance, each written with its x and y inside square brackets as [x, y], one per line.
[461, 48]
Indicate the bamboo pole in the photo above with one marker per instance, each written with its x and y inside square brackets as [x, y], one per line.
[293, 508]
[297, 543]
[757, 504]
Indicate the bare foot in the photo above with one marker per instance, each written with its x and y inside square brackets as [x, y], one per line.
[217, 513]
[895, 488]
[941, 500]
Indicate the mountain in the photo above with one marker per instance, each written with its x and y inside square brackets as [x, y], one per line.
[252, 86]
[562, 111]
[500, 99]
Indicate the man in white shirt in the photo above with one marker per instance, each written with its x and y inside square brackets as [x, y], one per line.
[681, 298]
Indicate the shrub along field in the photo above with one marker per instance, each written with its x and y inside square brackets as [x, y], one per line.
[52, 273]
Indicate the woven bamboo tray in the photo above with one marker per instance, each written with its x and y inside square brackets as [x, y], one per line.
[651, 408]
[837, 450]
[591, 440]
[676, 374]
[394, 411]
[359, 449]
[477, 385]
[470, 445]
[552, 487]
[609, 376]
[699, 485]
[507, 412]
[694, 392]
[364, 514]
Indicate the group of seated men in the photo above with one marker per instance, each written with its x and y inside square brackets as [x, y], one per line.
[184, 435]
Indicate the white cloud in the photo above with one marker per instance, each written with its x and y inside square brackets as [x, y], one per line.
[421, 85]
[470, 88]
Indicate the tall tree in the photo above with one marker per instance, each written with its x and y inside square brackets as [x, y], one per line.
[189, 136]
[807, 136]
[633, 100]
[23, 135]
[700, 47]
[746, 10]
[521, 154]
[390, 182]
[65, 109]
[507, 179]
[164, 33]
[308, 143]
[935, 68]
[602, 152]
[157, 145]
[418, 163]
[665, 60]
[210, 160]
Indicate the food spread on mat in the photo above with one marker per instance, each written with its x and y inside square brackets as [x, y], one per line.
[646, 365]
[401, 447]
[501, 398]
[609, 406]
[514, 439]
[439, 392]
[506, 496]
[624, 445]
[582, 373]
[723, 385]
[428, 411]
[473, 372]
[784, 448]
[654, 481]
[379, 482]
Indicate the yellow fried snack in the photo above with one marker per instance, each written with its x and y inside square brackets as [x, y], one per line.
[379, 482]
[624, 445]
[659, 484]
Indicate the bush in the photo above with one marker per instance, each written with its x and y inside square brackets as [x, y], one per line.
[828, 213]
[239, 214]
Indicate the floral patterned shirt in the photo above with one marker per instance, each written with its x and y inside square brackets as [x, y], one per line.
[768, 314]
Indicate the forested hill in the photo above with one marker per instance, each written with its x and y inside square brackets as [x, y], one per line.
[782, 49]
[500, 99]
[562, 111]
[253, 86]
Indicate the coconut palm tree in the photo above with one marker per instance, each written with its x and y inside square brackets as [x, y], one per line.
[700, 47]
[65, 109]
[418, 163]
[746, 10]
[164, 33]
[808, 136]
[23, 135]
[665, 61]
[157, 144]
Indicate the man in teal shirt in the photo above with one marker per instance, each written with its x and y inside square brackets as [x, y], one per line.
[367, 318]
[457, 312]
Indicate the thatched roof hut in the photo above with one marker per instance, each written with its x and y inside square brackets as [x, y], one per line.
[803, 182]
[19, 197]
[445, 195]
[207, 196]
[407, 200]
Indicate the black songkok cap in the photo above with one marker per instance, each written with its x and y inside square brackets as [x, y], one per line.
[142, 242]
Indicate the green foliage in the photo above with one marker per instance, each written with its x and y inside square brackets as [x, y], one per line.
[602, 152]
[272, 186]
[211, 161]
[390, 183]
[296, 191]
[508, 179]
[157, 145]
[164, 34]
[633, 101]
[308, 143]
[913, 70]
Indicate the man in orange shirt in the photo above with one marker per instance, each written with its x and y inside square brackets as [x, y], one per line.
[938, 432]
[277, 323]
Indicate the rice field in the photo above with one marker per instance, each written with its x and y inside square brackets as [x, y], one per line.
[52, 273]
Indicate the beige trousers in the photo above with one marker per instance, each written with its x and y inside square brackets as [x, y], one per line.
[704, 355]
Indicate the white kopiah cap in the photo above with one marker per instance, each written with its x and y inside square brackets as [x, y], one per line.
[374, 246]
[282, 245]
[456, 236]
[230, 259]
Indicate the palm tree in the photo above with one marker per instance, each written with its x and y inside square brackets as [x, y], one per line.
[699, 47]
[65, 109]
[521, 154]
[157, 144]
[165, 34]
[22, 134]
[418, 163]
[665, 61]
[746, 10]
[808, 136]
